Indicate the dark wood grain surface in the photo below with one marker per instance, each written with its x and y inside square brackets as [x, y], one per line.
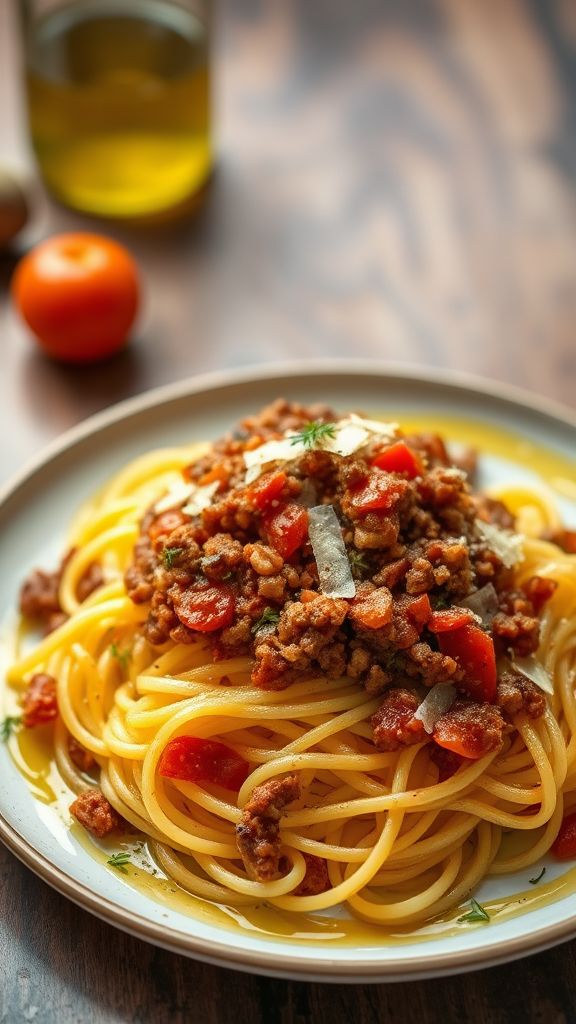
[396, 179]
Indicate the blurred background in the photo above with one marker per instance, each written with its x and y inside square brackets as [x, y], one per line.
[393, 179]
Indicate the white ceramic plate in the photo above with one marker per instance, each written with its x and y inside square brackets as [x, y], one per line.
[34, 513]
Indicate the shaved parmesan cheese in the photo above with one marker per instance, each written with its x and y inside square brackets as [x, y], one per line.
[201, 498]
[350, 434]
[533, 670]
[436, 702]
[505, 544]
[375, 426]
[325, 535]
[483, 602]
[174, 497]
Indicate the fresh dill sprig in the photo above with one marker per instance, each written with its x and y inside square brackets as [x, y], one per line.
[314, 434]
[122, 657]
[358, 563]
[170, 555]
[8, 725]
[534, 881]
[119, 861]
[476, 913]
[269, 617]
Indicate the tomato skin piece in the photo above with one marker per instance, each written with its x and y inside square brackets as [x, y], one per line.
[286, 529]
[564, 846]
[399, 458]
[191, 759]
[474, 650]
[205, 607]
[266, 489]
[79, 294]
[379, 493]
[449, 619]
[418, 610]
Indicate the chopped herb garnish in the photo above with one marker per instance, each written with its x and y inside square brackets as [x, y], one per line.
[393, 661]
[8, 725]
[534, 881]
[170, 555]
[440, 601]
[119, 861]
[476, 913]
[314, 434]
[269, 617]
[358, 562]
[123, 657]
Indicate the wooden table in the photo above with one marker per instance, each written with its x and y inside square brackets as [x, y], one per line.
[395, 180]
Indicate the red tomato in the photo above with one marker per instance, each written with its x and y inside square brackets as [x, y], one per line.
[286, 529]
[418, 609]
[399, 458]
[374, 610]
[164, 523]
[564, 846]
[39, 704]
[191, 759]
[379, 493]
[474, 650]
[266, 489]
[78, 293]
[448, 619]
[205, 607]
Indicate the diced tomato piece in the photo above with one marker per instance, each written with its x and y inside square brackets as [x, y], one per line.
[266, 489]
[163, 524]
[564, 846]
[399, 458]
[374, 610]
[448, 619]
[206, 607]
[218, 472]
[39, 704]
[286, 529]
[380, 492]
[192, 759]
[474, 651]
[418, 609]
[470, 729]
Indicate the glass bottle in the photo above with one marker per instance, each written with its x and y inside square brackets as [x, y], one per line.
[118, 95]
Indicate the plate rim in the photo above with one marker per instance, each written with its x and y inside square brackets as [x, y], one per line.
[211, 950]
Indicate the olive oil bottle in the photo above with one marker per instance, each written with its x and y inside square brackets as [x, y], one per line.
[118, 102]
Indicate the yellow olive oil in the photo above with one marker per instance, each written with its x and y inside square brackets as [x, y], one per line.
[118, 96]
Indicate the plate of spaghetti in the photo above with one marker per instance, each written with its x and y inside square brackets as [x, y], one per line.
[288, 664]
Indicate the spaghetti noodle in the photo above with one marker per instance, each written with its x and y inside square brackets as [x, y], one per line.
[395, 834]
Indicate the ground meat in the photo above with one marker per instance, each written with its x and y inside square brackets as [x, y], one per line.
[258, 833]
[304, 632]
[539, 590]
[394, 725]
[420, 578]
[91, 579]
[431, 666]
[95, 813]
[432, 446]
[517, 693]
[263, 559]
[39, 595]
[392, 574]
[40, 704]
[517, 632]
[316, 879]
[476, 729]
[446, 761]
[452, 567]
[493, 511]
[82, 758]
[376, 532]
[221, 555]
[139, 576]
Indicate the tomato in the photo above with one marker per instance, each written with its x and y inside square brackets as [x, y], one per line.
[39, 704]
[164, 523]
[286, 529]
[205, 607]
[564, 846]
[374, 610]
[418, 609]
[399, 458]
[474, 650]
[380, 492]
[191, 759]
[448, 619]
[78, 293]
[266, 489]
